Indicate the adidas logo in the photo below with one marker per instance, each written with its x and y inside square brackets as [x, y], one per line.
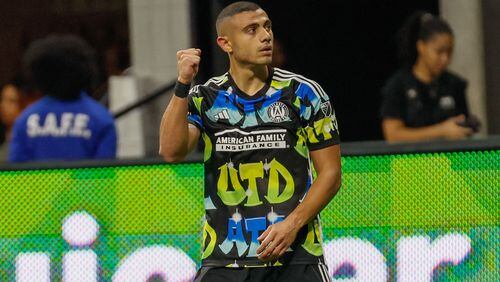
[222, 115]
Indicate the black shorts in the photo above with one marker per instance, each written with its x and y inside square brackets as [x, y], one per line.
[289, 273]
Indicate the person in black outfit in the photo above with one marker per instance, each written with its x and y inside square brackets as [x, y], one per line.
[422, 100]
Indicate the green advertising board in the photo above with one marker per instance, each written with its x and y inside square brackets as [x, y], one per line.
[404, 217]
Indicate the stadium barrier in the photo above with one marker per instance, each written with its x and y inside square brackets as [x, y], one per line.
[409, 212]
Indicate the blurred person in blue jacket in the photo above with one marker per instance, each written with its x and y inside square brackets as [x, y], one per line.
[66, 124]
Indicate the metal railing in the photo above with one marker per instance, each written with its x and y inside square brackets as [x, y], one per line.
[349, 149]
[146, 99]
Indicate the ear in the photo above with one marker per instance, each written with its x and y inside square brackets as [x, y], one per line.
[224, 44]
[421, 46]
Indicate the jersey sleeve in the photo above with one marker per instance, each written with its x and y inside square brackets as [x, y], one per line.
[194, 108]
[318, 115]
[392, 99]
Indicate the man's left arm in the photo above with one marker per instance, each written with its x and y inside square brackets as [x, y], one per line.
[279, 237]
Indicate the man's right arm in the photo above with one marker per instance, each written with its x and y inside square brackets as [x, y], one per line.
[177, 136]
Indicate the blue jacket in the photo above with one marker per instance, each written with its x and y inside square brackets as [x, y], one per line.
[53, 129]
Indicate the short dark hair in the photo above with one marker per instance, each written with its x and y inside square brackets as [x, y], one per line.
[61, 66]
[21, 83]
[234, 9]
[419, 26]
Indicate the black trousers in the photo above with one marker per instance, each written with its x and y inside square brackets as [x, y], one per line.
[288, 273]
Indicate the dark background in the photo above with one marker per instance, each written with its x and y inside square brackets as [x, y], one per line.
[348, 47]
[103, 23]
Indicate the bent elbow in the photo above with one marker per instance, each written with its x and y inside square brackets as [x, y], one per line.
[392, 137]
[389, 135]
[337, 182]
[170, 157]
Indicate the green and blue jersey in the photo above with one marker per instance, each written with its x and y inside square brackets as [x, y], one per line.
[257, 163]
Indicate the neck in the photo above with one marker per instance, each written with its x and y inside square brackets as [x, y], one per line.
[249, 78]
[422, 73]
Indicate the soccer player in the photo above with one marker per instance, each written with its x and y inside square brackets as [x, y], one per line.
[262, 128]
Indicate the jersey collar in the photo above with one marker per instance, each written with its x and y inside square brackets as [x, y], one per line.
[261, 93]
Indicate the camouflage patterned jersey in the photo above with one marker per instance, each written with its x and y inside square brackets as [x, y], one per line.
[257, 164]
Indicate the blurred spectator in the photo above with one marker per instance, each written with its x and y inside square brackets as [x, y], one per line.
[66, 124]
[10, 108]
[15, 96]
[116, 63]
[423, 100]
[279, 56]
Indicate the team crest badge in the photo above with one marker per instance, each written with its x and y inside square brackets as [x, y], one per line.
[326, 108]
[278, 112]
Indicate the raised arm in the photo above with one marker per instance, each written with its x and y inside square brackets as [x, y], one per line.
[177, 136]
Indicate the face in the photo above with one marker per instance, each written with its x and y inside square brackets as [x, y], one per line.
[436, 52]
[248, 38]
[9, 104]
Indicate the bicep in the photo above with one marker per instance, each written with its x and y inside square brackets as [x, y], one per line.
[327, 159]
[193, 137]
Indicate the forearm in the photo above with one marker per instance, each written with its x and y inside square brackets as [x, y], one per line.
[414, 134]
[174, 134]
[176, 138]
[323, 189]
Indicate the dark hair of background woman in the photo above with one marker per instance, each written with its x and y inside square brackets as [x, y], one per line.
[419, 26]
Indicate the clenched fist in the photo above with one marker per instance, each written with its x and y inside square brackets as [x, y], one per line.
[188, 63]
